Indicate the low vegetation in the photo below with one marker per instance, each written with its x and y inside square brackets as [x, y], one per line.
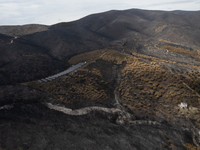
[148, 88]
[189, 146]
[143, 86]
[105, 54]
[155, 59]
[179, 50]
[114, 57]
[93, 83]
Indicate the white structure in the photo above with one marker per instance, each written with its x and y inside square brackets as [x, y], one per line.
[44, 80]
[50, 78]
[183, 105]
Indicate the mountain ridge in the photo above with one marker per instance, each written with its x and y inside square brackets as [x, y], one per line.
[112, 28]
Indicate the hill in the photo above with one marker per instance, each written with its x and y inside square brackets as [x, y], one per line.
[136, 29]
[139, 66]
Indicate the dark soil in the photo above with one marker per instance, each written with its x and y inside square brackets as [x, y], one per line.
[34, 126]
[20, 94]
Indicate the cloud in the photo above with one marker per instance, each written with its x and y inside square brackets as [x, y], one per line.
[51, 11]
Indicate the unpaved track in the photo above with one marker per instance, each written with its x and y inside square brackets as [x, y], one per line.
[82, 111]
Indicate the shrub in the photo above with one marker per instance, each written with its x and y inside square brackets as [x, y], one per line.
[152, 92]
[158, 94]
[189, 146]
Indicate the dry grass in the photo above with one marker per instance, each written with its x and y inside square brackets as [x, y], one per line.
[156, 60]
[189, 146]
[93, 71]
[114, 57]
[84, 85]
[160, 29]
[179, 50]
[143, 86]
[105, 54]
[155, 88]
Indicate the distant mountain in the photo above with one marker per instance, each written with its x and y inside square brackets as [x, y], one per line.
[22, 30]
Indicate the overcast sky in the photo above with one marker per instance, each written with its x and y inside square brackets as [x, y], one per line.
[19, 12]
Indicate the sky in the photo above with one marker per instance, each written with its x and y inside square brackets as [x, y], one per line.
[48, 12]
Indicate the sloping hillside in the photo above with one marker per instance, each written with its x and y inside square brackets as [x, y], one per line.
[141, 86]
[135, 28]
[139, 65]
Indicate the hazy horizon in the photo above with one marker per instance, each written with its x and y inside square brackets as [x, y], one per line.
[21, 12]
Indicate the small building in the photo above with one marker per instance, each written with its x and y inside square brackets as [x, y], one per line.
[183, 105]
